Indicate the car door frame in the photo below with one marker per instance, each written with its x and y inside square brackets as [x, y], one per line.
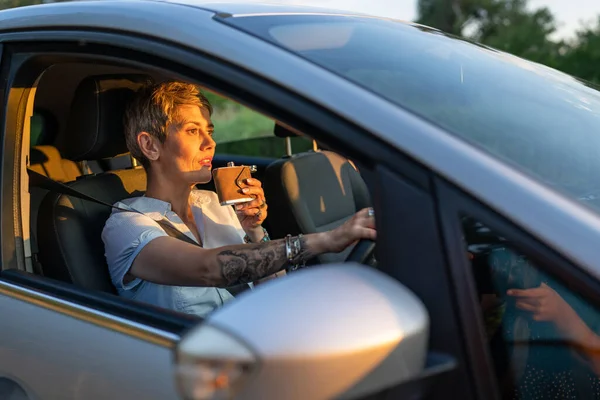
[452, 203]
[411, 182]
[141, 330]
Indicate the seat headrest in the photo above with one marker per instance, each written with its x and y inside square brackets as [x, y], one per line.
[284, 131]
[95, 124]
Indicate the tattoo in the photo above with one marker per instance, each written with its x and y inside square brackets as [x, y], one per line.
[256, 261]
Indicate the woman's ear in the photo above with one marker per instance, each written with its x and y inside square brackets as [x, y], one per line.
[148, 145]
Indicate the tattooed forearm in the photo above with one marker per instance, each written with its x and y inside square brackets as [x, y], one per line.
[253, 262]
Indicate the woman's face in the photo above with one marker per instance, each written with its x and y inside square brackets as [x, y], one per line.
[188, 151]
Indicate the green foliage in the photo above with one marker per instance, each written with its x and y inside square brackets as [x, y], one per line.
[6, 4]
[234, 124]
[242, 131]
[512, 26]
[582, 58]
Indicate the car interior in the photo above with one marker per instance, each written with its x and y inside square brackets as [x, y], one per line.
[77, 138]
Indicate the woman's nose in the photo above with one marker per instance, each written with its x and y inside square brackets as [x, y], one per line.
[208, 143]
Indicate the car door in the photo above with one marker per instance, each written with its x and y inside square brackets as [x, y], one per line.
[108, 343]
[58, 341]
[541, 340]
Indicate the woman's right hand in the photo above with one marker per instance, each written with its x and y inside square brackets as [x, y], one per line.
[360, 226]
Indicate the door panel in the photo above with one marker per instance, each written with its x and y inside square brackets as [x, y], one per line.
[62, 350]
[542, 334]
[530, 316]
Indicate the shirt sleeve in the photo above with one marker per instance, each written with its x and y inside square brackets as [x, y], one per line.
[125, 234]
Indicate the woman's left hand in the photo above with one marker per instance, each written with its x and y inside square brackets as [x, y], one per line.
[253, 213]
[545, 304]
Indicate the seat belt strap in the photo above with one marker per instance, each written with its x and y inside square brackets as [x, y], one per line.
[38, 180]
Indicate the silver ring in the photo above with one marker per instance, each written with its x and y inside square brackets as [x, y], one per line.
[371, 212]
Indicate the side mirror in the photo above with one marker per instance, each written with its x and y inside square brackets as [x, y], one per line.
[337, 331]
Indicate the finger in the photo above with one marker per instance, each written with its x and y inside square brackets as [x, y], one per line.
[527, 293]
[254, 190]
[533, 301]
[261, 216]
[250, 212]
[367, 233]
[364, 213]
[370, 223]
[253, 182]
[524, 305]
[365, 221]
[540, 317]
[256, 203]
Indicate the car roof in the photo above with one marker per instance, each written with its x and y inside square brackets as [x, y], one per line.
[259, 8]
[229, 9]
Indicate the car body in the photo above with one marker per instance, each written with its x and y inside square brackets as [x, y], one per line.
[58, 341]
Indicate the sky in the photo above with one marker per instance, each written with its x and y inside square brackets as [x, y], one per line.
[569, 13]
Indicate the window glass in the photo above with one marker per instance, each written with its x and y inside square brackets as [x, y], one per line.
[542, 334]
[37, 129]
[544, 122]
[242, 131]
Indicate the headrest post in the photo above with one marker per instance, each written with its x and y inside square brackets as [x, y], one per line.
[134, 162]
[84, 167]
[288, 146]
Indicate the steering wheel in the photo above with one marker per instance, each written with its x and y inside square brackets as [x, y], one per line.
[363, 253]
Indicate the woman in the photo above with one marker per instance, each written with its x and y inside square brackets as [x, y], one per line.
[169, 130]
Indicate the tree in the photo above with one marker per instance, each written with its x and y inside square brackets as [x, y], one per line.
[506, 25]
[456, 16]
[516, 30]
[582, 56]
[5, 4]
[441, 15]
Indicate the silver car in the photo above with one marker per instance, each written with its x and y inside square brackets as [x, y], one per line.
[482, 169]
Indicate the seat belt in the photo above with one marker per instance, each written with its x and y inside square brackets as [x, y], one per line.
[42, 181]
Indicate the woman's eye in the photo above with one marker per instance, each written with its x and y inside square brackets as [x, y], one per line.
[193, 131]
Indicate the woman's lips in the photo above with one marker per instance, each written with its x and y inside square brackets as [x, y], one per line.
[206, 162]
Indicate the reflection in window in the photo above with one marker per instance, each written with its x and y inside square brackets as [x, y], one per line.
[539, 120]
[242, 131]
[234, 122]
[542, 335]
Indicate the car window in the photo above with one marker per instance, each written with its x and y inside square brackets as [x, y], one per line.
[542, 334]
[542, 121]
[37, 129]
[242, 131]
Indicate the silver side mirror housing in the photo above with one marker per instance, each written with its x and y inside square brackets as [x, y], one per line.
[337, 331]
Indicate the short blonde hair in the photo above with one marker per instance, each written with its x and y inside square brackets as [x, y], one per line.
[154, 109]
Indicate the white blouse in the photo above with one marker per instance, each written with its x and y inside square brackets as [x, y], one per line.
[126, 233]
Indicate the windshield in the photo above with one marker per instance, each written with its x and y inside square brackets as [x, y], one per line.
[543, 121]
